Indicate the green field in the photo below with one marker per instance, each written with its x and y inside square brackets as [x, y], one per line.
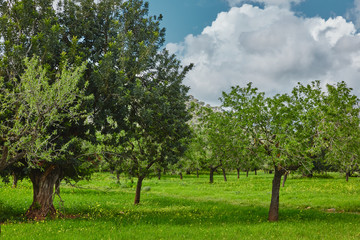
[316, 208]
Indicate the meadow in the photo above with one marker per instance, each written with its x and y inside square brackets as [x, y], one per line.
[170, 208]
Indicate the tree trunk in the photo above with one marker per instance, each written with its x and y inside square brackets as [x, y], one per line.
[57, 186]
[197, 173]
[255, 171]
[224, 174]
[117, 177]
[159, 174]
[15, 180]
[274, 205]
[247, 172]
[181, 176]
[285, 178]
[43, 189]
[347, 176]
[188, 172]
[238, 172]
[138, 190]
[212, 175]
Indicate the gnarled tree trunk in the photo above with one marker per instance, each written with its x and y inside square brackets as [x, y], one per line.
[43, 189]
[138, 190]
[274, 205]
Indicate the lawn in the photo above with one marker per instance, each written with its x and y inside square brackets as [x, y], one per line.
[316, 208]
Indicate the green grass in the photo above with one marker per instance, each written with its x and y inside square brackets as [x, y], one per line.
[190, 209]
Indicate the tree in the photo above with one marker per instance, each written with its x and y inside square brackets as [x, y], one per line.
[139, 104]
[338, 132]
[36, 107]
[281, 127]
[30, 28]
[156, 125]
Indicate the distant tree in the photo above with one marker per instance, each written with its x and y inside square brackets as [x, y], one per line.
[338, 134]
[212, 139]
[197, 153]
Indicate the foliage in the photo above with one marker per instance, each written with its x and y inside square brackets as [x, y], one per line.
[36, 107]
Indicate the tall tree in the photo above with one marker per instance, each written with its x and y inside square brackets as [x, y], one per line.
[139, 99]
[156, 125]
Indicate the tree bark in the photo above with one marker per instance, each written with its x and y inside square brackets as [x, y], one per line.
[15, 180]
[118, 177]
[57, 186]
[274, 205]
[43, 189]
[247, 172]
[159, 174]
[212, 175]
[181, 176]
[255, 171]
[224, 174]
[285, 178]
[197, 173]
[138, 190]
[238, 173]
[347, 176]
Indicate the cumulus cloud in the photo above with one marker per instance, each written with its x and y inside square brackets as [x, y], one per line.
[354, 13]
[271, 47]
[279, 3]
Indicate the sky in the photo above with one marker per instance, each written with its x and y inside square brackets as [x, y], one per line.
[272, 43]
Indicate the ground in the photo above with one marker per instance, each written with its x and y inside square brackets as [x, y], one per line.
[170, 208]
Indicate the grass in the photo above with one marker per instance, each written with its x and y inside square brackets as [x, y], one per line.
[317, 208]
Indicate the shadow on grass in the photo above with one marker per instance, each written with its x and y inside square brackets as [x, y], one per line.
[8, 213]
[162, 210]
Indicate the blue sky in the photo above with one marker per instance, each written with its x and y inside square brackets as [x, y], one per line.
[272, 43]
[183, 17]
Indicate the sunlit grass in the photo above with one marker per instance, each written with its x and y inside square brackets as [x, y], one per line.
[317, 208]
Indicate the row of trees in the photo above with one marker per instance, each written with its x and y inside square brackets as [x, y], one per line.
[82, 81]
[308, 128]
[88, 80]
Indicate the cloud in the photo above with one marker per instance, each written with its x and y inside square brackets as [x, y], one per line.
[271, 47]
[279, 3]
[354, 13]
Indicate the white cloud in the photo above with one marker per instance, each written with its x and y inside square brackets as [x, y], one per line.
[354, 13]
[279, 3]
[271, 47]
